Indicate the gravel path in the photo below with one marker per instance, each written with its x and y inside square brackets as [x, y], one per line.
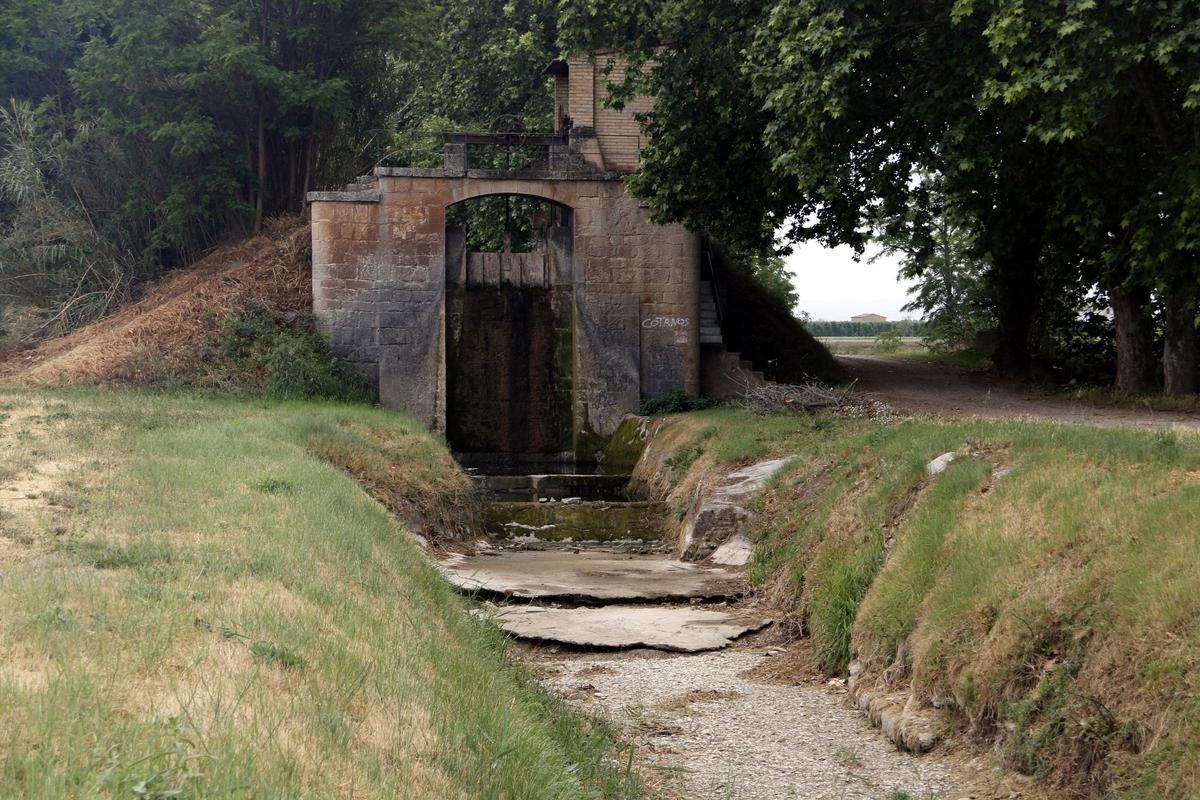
[912, 386]
[733, 738]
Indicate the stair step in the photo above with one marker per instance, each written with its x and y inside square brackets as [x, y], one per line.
[550, 486]
[585, 521]
[710, 339]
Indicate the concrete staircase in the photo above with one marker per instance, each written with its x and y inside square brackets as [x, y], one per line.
[723, 374]
[594, 573]
[710, 323]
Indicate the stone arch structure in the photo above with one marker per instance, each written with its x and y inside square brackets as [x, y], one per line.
[380, 252]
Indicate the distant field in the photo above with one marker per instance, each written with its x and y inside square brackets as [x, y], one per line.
[851, 345]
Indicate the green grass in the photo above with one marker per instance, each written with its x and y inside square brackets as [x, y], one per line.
[1054, 606]
[230, 615]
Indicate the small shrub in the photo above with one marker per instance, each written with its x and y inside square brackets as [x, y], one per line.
[304, 367]
[274, 486]
[288, 354]
[682, 461]
[887, 342]
[677, 401]
[241, 337]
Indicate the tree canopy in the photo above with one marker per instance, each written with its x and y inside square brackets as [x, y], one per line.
[1061, 136]
[1052, 145]
[134, 137]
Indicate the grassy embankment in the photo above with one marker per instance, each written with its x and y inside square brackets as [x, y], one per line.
[194, 602]
[1054, 607]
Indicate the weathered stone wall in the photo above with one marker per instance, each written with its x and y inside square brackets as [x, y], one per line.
[379, 284]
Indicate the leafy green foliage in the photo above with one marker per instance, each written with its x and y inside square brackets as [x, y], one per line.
[676, 401]
[826, 327]
[298, 361]
[304, 367]
[487, 60]
[51, 252]
[887, 342]
[1063, 165]
[488, 221]
[135, 138]
[952, 291]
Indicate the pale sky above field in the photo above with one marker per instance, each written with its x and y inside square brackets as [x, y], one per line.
[832, 285]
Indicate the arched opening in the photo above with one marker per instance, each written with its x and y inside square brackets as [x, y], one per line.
[509, 331]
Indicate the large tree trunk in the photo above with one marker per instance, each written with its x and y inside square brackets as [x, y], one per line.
[1179, 342]
[1019, 292]
[1131, 318]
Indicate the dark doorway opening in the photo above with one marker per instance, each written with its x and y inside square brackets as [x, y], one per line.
[509, 331]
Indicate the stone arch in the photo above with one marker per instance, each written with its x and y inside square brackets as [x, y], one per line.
[564, 219]
[467, 189]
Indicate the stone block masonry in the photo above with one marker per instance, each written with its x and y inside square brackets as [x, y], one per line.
[382, 256]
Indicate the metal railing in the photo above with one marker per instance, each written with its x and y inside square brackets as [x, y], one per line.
[507, 151]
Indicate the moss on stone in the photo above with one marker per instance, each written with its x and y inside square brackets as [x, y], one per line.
[621, 453]
[596, 521]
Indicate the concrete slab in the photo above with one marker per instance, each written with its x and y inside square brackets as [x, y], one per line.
[715, 515]
[680, 629]
[590, 577]
[734, 553]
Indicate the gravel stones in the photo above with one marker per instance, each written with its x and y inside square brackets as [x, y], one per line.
[752, 741]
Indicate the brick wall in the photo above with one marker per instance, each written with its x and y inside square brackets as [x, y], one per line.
[618, 133]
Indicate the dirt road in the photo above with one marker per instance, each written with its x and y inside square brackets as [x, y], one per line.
[917, 387]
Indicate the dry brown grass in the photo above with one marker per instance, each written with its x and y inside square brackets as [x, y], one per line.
[153, 335]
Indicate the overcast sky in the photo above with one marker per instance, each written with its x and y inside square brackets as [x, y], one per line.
[832, 285]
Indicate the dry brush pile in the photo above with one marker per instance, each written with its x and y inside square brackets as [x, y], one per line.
[178, 333]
